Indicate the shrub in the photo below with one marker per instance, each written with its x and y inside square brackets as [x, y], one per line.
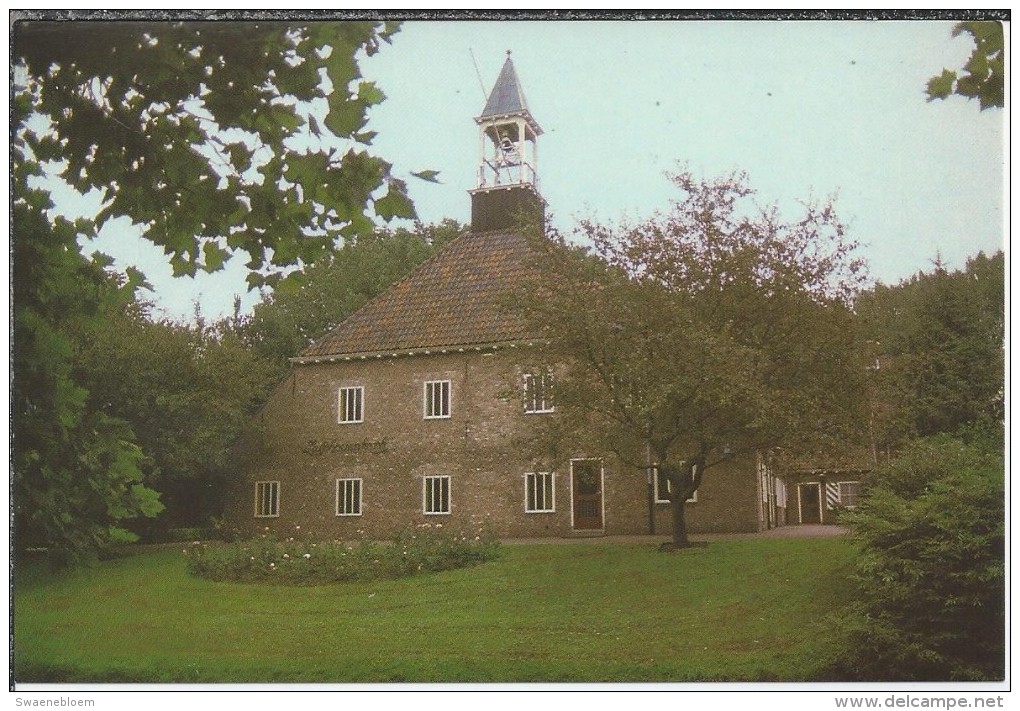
[180, 535]
[426, 548]
[931, 600]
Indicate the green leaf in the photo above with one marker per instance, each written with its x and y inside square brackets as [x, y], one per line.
[941, 86]
[182, 266]
[240, 156]
[395, 204]
[214, 256]
[431, 176]
[370, 94]
[102, 260]
[286, 117]
[345, 117]
[136, 280]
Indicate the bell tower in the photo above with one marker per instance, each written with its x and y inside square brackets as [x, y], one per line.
[507, 190]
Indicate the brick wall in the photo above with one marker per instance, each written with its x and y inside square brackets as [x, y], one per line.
[298, 441]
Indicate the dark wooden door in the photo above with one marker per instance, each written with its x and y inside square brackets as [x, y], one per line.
[810, 500]
[587, 489]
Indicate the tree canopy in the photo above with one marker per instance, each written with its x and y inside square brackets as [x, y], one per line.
[76, 469]
[983, 75]
[714, 329]
[215, 138]
[938, 343]
[186, 390]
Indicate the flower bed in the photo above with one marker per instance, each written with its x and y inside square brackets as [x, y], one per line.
[424, 549]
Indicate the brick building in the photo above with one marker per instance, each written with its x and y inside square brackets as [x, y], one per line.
[409, 411]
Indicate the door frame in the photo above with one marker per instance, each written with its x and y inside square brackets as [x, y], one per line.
[602, 494]
[800, 505]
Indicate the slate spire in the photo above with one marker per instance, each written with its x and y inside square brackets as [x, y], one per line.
[507, 96]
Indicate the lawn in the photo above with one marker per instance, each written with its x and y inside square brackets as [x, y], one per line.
[739, 610]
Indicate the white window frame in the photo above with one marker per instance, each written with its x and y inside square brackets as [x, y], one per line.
[261, 489]
[659, 499]
[535, 482]
[857, 494]
[343, 405]
[428, 495]
[533, 405]
[344, 499]
[428, 398]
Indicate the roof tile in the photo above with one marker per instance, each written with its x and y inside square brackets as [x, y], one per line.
[457, 298]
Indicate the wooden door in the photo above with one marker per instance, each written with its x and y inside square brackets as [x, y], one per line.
[587, 493]
[810, 496]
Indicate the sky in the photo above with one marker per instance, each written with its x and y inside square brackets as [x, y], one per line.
[808, 110]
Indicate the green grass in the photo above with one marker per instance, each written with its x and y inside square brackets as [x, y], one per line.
[740, 610]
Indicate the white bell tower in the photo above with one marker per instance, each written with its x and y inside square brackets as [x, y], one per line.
[507, 155]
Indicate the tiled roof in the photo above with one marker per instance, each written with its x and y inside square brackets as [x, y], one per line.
[457, 298]
[507, 96]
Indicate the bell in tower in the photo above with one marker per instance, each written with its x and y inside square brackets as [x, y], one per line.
[507, 191]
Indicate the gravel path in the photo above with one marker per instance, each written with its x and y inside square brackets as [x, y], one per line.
[800, 531]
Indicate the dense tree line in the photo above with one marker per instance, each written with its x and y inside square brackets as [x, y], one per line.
[929, 603]
[937, 347]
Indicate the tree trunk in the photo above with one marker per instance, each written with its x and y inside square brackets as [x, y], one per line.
[683, 482]
[678, 507]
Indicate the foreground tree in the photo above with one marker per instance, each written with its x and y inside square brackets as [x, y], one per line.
[213, 137]
[76, 469]
[983, 75]
[930, 603]
[712, 331]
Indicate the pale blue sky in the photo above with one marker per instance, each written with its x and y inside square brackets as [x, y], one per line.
[808, 109]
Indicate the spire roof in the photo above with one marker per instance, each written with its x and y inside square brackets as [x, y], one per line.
[507, 96]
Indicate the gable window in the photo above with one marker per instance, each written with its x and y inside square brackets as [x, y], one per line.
[539, 492]
[352, 405]
[267, 499]
[849, 494]
[663, 488]
[348, 497]
[436, 495]
[538, 393]
[437, 399]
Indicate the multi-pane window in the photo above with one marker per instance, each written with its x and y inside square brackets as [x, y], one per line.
[267, 498]
[436, 495]
[663, 489]
[539, 492]
[849, 494]
[348, 497]
[352, 405]
[437, 399]
[538, 392]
